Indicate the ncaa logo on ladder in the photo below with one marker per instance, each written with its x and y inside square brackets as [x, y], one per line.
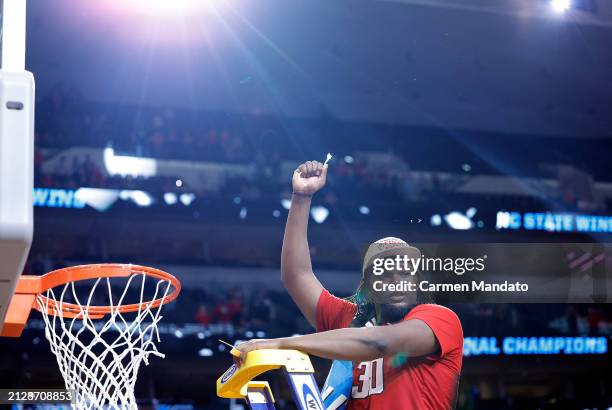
[229, 373]
[310, 400]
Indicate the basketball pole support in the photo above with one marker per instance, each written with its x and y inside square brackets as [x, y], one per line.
[237, 382]
[16, 150]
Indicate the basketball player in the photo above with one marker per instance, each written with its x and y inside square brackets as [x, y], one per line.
[405, 354]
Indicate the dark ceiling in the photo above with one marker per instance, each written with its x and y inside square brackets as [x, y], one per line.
[387, 62]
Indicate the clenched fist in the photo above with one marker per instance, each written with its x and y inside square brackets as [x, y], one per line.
[309, 177]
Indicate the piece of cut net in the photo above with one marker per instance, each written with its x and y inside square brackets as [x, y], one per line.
[99, 358]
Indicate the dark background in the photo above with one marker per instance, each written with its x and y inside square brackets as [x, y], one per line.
[429, 108]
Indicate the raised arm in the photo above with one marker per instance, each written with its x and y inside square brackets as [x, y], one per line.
[296, 268]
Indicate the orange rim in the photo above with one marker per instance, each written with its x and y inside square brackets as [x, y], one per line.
[39, 284]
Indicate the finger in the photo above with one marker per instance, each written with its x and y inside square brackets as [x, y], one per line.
[241, 359]
[319, 169]
[313, 168]
[303, 169]
[244, 348]
[309, 167]
[324, 172]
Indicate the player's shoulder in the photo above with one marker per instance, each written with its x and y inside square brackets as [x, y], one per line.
[433, 309]
[441, 319]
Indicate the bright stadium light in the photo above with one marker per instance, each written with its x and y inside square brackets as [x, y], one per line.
[205, 352]
[364, 210]
[286, 203]
[436, 220]
[170, 198]
[560, 6]
[127, 165]
[187, 199]
[319, 213]
[140, 198]
[164, 6]
[99, 199]
[161, 8]
[459, 221]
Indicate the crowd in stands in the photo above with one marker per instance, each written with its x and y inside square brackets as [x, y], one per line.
[250, 308]
[275, 313]
[66, 120]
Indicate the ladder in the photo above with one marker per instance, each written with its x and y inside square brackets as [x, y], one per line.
[237, 382]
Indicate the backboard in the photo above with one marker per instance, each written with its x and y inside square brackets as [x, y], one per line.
[16, 152]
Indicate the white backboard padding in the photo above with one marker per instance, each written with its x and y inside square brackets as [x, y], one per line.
[13, 34]
[16, 178]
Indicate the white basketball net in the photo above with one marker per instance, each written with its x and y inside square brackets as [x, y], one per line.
[99, 358]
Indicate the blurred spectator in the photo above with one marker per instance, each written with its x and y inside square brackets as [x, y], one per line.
[203, 316]
[594, 318]
[236, 308]
[223, 312]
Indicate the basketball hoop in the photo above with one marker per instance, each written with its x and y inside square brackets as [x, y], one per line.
[99, 347]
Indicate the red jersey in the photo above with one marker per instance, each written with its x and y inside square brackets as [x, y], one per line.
[399, 382]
